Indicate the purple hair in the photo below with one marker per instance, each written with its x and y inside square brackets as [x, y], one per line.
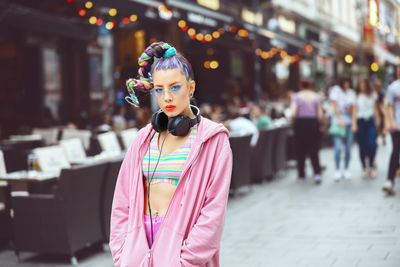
[176, 61]
[168, 59]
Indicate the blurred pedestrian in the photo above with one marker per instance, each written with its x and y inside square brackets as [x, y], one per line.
[381, 110]
[367, 118]
[119, 122]
[172, 190]
[343, 124]
[239, 124]
[393, 126]
[306, 112]
[260, 118]
[105, 123]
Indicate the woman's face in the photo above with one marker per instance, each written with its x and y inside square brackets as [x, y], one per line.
[363, 88]
[172, 92]
[346, 85]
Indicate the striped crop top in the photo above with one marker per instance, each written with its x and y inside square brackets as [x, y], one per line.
[169, 168]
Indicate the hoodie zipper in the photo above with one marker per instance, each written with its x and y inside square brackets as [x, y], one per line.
[149, 257]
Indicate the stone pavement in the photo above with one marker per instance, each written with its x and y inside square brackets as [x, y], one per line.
[291, 224]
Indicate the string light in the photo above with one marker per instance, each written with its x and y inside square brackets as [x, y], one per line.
[243, 33]
[88, 5]
[182, 24]
[125, 20]
[191, 32]
[112, 12]
[348, 58]
[374, 67]
[308, 48]
[99, 21]
[133, 17]
[216, 35]
[82, 12]
[199, 37]
[92, 20]
[214, 64]
[109, 25]
[208, 37]
[282, 53]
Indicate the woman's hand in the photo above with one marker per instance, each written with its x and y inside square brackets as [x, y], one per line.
[341, 123]
[354, 127]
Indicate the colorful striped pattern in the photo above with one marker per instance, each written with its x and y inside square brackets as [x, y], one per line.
[169, 167]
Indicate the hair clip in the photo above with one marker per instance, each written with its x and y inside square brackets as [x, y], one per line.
[170, 52]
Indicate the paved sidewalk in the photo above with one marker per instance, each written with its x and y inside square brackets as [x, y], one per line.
[291, 224]
[288, 223]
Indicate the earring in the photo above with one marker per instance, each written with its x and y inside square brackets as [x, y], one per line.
[191, 94]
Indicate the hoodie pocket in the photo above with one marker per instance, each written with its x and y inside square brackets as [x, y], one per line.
[167, 250]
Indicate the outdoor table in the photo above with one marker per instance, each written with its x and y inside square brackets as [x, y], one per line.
[26, 180]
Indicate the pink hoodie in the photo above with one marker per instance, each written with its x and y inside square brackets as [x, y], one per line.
[191, 232]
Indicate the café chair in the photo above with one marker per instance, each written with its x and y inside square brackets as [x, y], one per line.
[65, 222]
[83, 135]
[241, 152]
[279, 159]
[110, 179]
[261, 153]
[49, 135]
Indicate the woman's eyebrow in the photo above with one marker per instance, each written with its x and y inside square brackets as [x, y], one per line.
[171, 84]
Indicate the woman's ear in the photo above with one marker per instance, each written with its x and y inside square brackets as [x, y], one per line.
[192, 87]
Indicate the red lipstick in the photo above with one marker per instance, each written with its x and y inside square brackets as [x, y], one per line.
[170, 107]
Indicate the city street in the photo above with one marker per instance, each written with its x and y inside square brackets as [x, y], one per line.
[288, 223]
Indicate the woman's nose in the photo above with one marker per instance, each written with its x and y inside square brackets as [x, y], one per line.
[167, 95]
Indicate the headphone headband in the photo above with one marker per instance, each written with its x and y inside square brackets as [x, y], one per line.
[179, 125]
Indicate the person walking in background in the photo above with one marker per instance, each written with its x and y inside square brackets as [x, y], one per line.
[367, 115]
[393, 126]
[344, 117]
[306, 111]
[381, 111]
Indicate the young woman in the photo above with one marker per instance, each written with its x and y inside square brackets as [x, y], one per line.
[172, 189]
[306, 113]
[344, 114]
[367, 119]
[393, 127]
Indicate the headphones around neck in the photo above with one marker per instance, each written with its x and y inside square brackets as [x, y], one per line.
[178, 126]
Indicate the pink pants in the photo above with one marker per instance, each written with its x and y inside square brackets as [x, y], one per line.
[157, 220]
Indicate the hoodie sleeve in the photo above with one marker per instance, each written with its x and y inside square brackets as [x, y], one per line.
[204, 239]
[120, 211]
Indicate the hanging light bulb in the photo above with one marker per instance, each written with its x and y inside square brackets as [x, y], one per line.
[82, 12]
[92, 20]
[133, 17]
[112, 12]
[88, 5]
[109, 25]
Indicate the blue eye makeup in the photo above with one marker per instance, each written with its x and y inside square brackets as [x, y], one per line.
[175, 88]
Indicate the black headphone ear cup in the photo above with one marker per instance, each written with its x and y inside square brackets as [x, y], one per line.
[159, 121]
[179, 125]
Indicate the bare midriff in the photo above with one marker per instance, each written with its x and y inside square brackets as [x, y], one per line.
[160, 198]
